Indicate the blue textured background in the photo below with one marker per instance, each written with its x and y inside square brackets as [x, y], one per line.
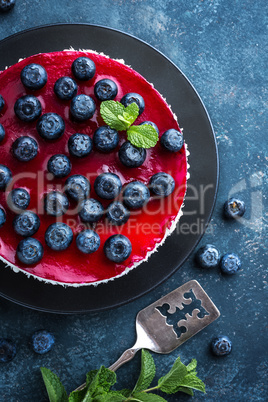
[221, 46]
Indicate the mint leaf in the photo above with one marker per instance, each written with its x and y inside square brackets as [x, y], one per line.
[187, 391]
[173, 379]
[101, 382]
[143, 397]
[147, 371]
[144, 136]
[110, 112]
[132, 111]
[90, 376]
[55, 389]
[114, 396]
[191, 381]
[192, 365]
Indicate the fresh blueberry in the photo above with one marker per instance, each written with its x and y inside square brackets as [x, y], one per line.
[91, 210]
[82, 107]
[131, 156]
[105, 89]
[105, 139]
[58, 236]
[221, 345]
[28, 108]
[30, 251]
[2, 102]
[26, 224]
[2, 133]
[3, 217]
[172, 140]
[230, 264]
[18, 199]
[65, 88]
[83, 68]
[135, 195]
[5, 176]
[33, 76]
[7, 350]
[6, 5]
[42, 342]
[59, 165]
[208, 256]
[50, 126]
[117, 213]
[80, 145]
[88, 241]
[56, 203]
[150, 123]
[117, 248]
[234, 208]
[77, 187]
[162, 184]
[107, 186]
[25, 148]
[133, 97]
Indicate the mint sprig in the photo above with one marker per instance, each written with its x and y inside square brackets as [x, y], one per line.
[121, 118]
[55, 389]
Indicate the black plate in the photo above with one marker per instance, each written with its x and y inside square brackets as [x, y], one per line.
[199, 136]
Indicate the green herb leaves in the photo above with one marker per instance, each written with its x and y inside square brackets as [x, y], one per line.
[121, 118]
[55, 389]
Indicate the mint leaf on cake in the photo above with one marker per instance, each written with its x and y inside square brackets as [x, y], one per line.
[144, 136]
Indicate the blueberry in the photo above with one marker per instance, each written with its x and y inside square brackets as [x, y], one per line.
[30, 251]
[2, 103]
[107, 186]
[105, 139]
[56, 203]
[162, 184]
[65, 88]
[234, 208]
[26, 224]
[133, 97]
[33, 76]
[2, 133]
[105, 89]
[208, 256]
[88, 241]
[150, 123]
[117, 213]
[6, 5]
[25, 148]
[7, 350]
[18, 199]
[91, 210]
[77, 187]
[5, 176]
[42, 342]
[82, 107]
[58, 236]
[3, 217]
[172, 140]
[131, 156]
[28, 108]
[135, 195]
[59, 165]
[221, 345]
[80, 145]
[83, 68]
[117, 248]
[50, 126]
[230, 264]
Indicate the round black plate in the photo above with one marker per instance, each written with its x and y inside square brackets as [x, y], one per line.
[203, 159]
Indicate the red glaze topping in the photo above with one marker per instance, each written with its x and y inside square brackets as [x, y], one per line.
[145, 227]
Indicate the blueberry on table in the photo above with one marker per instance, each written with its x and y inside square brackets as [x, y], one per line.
[162, 184]
[59, 165]
[28, 108]
[33, 76]
[230, 264]
[131, 156]
[107, 186]
[56, 203]
[105, 89]
[50, 126]
[18, 199]
[58, 236]
[135, 195]
[65, 88]
[77, 187]
[234, 208]
[150, 123]
[88, 241]
[42, 342]
[5, 176]
[221, 345]
[133, 97]
[172, 140]
[2, 133]
[2, 103]
[83, 68]
[25, 148]
[80, 145]
[91, 210]
[117, 213]
[82, 107]
[117, 248]
[3, 217]
[7, 350]
[208, 256]
[26, 224]
[30, 251]
[105, 139]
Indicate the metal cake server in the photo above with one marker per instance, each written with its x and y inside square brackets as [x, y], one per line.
[170, 321]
